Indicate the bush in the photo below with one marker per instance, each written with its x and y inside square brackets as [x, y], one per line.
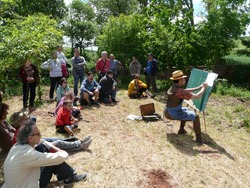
[224, 88]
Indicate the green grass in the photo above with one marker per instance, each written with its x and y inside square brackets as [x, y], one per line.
[223, 88]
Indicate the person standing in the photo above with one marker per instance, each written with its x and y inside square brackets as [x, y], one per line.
[30, 79]
[134, 67]
[60, 55]
[114, 66]
[78, 63]
[176, 94]
[151, 71]
[102, 65]
[55, 68]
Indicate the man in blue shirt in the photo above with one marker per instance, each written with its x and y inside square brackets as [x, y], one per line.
[89, 89]
[151, 71]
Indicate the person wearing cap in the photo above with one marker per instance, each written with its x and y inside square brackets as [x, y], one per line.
[108, 90]
[102, 65]
[151, 71]
[176, 94]
[78, 63]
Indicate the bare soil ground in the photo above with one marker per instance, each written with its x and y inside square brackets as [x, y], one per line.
[127, 153]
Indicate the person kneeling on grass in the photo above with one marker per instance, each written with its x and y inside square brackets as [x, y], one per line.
[89, 89]
[136, 88]
[65, 122]
[176, 95]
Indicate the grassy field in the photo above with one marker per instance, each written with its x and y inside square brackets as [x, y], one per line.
[129, 154]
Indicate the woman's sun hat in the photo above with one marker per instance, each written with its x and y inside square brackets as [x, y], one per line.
[176, 75]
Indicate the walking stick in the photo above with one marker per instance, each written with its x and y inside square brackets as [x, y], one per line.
[26, 97]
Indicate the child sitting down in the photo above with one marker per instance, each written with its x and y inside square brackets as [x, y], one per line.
[65, 122]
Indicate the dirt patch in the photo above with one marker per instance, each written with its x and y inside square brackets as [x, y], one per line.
[156, 178]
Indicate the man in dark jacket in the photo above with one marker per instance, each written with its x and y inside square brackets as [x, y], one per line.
[151, 71]
[108, 90]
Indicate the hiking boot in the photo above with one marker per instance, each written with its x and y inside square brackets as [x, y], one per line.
[114, 101]
[182, 131]
[69, 130]
[95, 103]
[199, 139]
[59, 180]
[153, 96]
[85, 145]
[75, 178]
[87, 138]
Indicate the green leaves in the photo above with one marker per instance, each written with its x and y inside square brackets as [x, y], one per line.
[33, 37]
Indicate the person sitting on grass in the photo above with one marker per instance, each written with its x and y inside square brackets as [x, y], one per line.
[75, 112]
[62, 89]
[137, 89]
[176, 94]
[26, 167]
[67, 144]
[108, 90]
[8, 133]
[65, 122]
[89, 89]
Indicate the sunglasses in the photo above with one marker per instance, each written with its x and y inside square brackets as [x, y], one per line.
[37, 134]
[65, 82]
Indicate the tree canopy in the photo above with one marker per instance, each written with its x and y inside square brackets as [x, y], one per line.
[80, 24]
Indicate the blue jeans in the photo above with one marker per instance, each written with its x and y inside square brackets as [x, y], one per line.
[77, 77]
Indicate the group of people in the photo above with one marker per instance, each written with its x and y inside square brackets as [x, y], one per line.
[32, 160]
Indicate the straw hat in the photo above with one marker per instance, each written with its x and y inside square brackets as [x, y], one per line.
[176, 75]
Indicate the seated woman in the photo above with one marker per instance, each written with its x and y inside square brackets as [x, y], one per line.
[62, 89]
[75, 111]
[137, 89]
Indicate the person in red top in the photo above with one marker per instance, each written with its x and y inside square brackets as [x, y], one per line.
[102, 65]
[65, 122]
[30, 78]
[176, 95]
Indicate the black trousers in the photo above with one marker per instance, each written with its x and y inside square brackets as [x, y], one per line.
[62, 171]
[137, 95]
[54, 82]
[29, 88]
[151, 80]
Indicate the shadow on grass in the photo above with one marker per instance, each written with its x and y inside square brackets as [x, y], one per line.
[186, 145]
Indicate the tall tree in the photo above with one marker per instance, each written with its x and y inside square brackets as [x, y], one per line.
[55, 9]
[124, 36]
[80, 25]
[33, 37]
[106, 8]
